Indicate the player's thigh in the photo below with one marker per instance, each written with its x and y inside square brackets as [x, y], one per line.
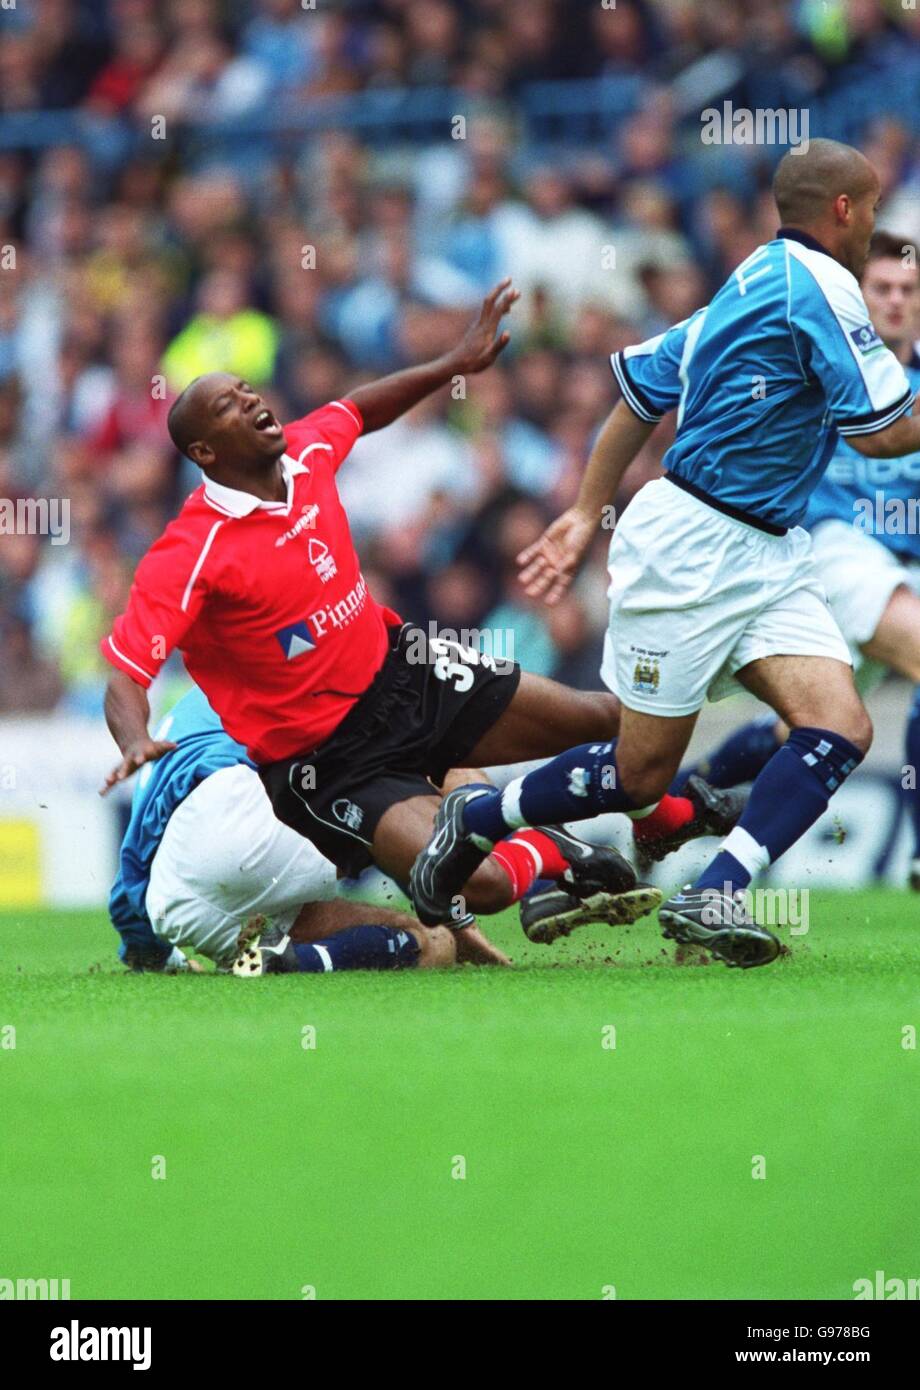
[650, 750]
[896, 640]
[810, 692]
[545, 718]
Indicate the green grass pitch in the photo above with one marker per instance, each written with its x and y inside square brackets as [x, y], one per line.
[586, 1167]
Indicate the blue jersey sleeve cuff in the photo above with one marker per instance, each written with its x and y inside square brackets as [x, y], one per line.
[877, 419]
[634, 397]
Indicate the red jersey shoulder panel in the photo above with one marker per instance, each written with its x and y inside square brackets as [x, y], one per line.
[328, 433]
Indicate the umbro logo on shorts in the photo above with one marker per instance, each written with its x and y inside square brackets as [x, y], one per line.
[348, 813]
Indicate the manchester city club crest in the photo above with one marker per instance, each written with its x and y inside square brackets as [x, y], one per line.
[646, 676]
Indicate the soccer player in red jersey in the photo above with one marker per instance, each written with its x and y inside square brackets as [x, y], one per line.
[352, 721]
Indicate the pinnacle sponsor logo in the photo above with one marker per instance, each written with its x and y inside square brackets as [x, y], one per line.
[341, 614]
[305, 523]
[296, 640]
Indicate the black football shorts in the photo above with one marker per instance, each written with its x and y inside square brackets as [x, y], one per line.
[428, 707]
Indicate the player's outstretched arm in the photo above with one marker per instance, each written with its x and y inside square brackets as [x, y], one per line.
[552, 562]
[381, 402]
[127, 712]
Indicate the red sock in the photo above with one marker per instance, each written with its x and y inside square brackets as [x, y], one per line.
[670, 814]
[527, 855]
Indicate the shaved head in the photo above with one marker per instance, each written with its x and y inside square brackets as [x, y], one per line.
[186, 420]
[806, 184]
[831, 192]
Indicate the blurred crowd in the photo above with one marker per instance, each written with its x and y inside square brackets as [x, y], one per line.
[310, 263]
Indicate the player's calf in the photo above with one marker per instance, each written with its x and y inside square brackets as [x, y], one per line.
[270, 951]
[457, 872]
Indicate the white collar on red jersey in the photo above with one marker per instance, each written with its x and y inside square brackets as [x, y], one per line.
[233, 502]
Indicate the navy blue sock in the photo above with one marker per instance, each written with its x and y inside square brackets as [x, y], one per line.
[358, 948]
[787, 797]
[739, 759]
[912, 739]
[576, 785]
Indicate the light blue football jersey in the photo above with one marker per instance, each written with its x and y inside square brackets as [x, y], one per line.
[763, 379]
[877, 496]
[203, 747]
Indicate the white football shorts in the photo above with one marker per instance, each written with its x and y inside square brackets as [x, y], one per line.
[696, 595]
[225, 856]
[859, 575]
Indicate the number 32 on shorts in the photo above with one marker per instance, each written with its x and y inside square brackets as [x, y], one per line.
[458, 672]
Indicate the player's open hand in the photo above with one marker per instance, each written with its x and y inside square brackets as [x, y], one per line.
[552, 562]
[482, 341]
[146, 751]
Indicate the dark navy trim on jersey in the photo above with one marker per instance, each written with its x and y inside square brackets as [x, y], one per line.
[638, 403]
[805, 238]
[877, 419]
[726, 509]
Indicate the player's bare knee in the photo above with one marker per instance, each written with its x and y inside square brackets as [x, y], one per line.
[852, 723]
[860, 731]
[855, 725]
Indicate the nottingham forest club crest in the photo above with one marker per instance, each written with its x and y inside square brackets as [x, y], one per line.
[646, 676]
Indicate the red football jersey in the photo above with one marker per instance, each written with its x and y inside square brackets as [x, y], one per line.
[265, 600]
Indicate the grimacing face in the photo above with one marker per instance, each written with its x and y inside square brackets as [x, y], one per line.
[236, 424]
[891, 290]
